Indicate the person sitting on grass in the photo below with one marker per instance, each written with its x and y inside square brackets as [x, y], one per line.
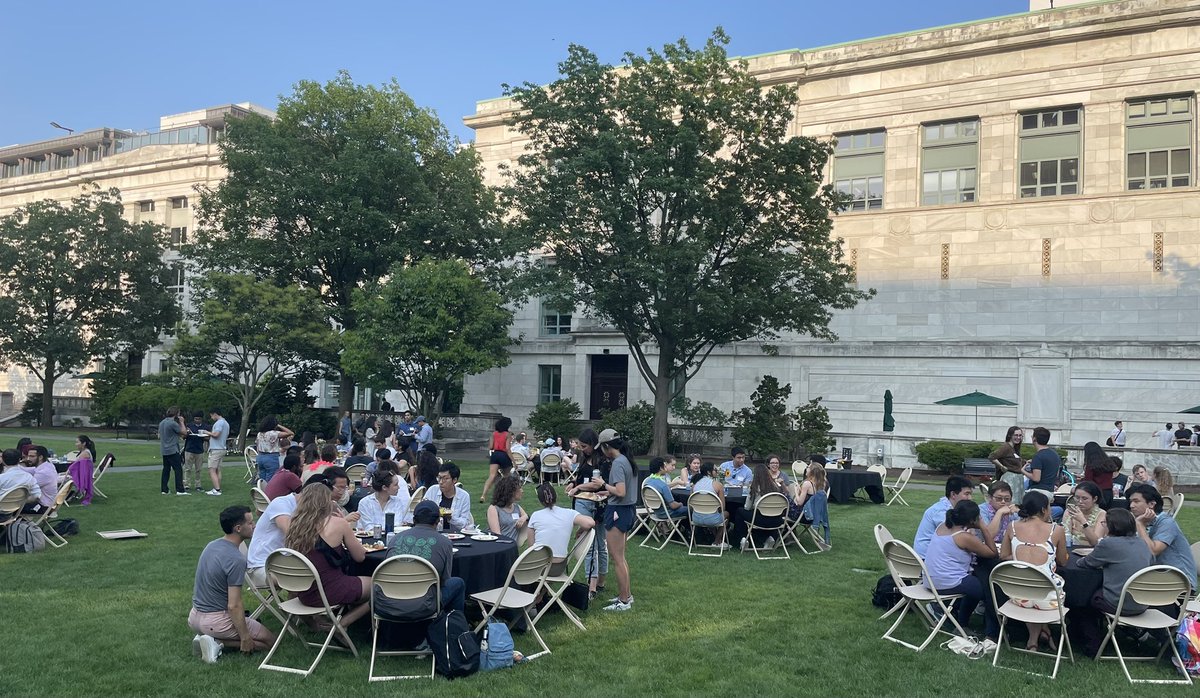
[218, 615]
[423, 541]
[449, 495]
[286, 480]
[1037, 541]
[1160, 531]
[958, 488]
[948, 557]
[505, 516]
[329, 543]
[658, 480]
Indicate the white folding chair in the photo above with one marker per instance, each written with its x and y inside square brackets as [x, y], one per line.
[262, 592]
[799, 470]
[898, 486]
[905, 565]
[883, 535]
[878, 469]
[705, 503]
[641, 521]
[251, 466]
[417, 496]
[1020, 580]
[288, 570]
[260, 500]
[522, 466]
[356, 473]
[658, 517]
[402, 578]
[102, 468]
[42, 518]
[1160, 585]
[550, 466]
[10, 507]
[528, 570]
[770, 505]
[574, 562]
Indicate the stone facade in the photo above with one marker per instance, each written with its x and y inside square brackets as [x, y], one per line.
[1080, 307]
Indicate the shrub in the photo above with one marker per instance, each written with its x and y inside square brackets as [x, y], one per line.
[810, 430]
[551, 419]
[301, 418]
[635, 423]
[944, 456]
[700, 424]
[146, 404]
[765, 426]
[104, 389]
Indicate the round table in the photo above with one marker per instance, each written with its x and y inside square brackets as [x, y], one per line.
[844, 483]
[481, 564]
[1079, 583]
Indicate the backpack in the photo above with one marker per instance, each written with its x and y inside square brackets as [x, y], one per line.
[455, 648]
[886, 594]
[66, 527]
[495, 647]
[24, 537]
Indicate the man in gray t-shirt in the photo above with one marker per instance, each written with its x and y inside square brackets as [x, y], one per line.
[424, 541]
[170, 429]
[217, 614]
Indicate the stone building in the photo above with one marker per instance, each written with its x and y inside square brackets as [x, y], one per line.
[1024, 202]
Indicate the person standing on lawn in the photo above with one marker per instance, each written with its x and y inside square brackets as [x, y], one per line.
[218, 614]
[170, 430]
[620, 513]
[218, 444]
[193, 452]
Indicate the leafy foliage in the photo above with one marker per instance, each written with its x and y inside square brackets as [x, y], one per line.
[346, 182]
[550, 419]
[810, 430]
[146, 404]
[104, 389]
[948, 456]
[423, 328]
[698, 423]
[251, 333]
[763, 427]
[78, 282]
[300, 418]
[635, 423]
[678, 206]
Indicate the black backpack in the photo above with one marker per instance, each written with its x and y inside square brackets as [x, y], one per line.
[66, 527]
[455, 648]
[886, 594]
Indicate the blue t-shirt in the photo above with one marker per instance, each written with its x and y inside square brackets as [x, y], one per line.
[1048, 461]
[1178, 553]
[664, 490]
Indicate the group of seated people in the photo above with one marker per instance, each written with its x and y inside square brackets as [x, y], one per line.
[961, 541]
[29, 466]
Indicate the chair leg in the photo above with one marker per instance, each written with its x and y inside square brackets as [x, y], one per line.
[538, 636]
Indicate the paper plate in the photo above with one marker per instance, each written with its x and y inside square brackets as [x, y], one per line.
[454, 536]
[483, 536]
[364, 534]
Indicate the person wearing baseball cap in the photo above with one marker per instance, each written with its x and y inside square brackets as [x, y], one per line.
[424, 435]
[621, 512]
[424, 541]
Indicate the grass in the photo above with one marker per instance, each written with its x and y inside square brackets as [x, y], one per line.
[116, 612]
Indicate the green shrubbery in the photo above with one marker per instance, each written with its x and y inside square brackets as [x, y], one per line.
[551, 419]
[948, 456]
[635, 423]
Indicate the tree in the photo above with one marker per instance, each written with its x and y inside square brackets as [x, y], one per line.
[765, 426]
[347, 181]
[677, 207]
[425, 327]
[77, 283]
[251, 334]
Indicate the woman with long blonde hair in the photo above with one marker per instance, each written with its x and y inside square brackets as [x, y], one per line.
[328, 541]
[1164, 481]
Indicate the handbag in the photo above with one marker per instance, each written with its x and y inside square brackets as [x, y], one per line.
[576, 595]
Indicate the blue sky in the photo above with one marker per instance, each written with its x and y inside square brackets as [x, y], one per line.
[124, 64]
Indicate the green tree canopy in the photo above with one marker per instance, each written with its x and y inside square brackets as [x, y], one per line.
[252, 334]
[347, 181]
[424, 328]
[678, 206]
[78, 282]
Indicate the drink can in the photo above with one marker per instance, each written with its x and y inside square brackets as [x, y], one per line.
[595, 473]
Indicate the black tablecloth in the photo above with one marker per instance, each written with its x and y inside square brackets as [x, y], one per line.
[844, 483]
[482, 565]
[732, 501]
[1079, 584]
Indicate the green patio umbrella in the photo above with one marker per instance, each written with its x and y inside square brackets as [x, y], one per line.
[1191, 410]
[976, 399]
[889, 422]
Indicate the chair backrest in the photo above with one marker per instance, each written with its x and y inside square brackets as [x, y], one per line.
[260, 499]
[416, 498]
[770, 504]
[250, 453]
[583, 545]
[1160, 585]
[406, 577]
[882, 535]
[903, 562]
[356, 472]
[551, 460]
[704, 503]
[1065, 488]
[531, 566]
[1020, 580]
[63, 493]
[654, 502]
[1178, 501]
[103, 466]
[292, 572]
[878, 469]
[518, 460]
[904, 477]
[13, 500]
[799, 469]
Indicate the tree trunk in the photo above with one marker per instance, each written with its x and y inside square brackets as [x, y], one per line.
[245, 425]
[345, 392]
[47, 419]
[133, 371]
[662, 402]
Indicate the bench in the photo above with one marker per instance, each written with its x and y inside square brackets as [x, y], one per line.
[146, 431]
[979, 467]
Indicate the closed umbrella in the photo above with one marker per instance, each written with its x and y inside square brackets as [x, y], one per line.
[889, 422]
[976, 399]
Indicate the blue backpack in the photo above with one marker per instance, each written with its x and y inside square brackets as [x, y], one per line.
[495, 647]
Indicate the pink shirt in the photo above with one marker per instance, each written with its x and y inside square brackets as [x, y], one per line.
[46, 477]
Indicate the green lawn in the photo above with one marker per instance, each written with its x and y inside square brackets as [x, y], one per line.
[114, 614]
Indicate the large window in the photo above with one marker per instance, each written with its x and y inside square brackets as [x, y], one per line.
[1158, 142]
[555, 321]
[549, 383]
[175, 281]
[858, 168]
[1049, 152]
[145, 206]
[179, 202]
[178, 237]
[949, 161]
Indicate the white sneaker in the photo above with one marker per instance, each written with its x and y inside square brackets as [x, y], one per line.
[214, 492]
[207, 648]
[770, 544]
[617, 599]
[618, 605]
[724, 546]
[182, 494]
[744, 543]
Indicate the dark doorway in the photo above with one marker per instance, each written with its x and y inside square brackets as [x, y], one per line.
[610, 383]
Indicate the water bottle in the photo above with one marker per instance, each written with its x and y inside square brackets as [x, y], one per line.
[389, 522]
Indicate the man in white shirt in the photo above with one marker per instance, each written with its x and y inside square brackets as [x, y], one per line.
[13, 476]
[218, 444]
[1116, 437]
[1166, 437]
[519, 446]
[448, 495]
[37, 464]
